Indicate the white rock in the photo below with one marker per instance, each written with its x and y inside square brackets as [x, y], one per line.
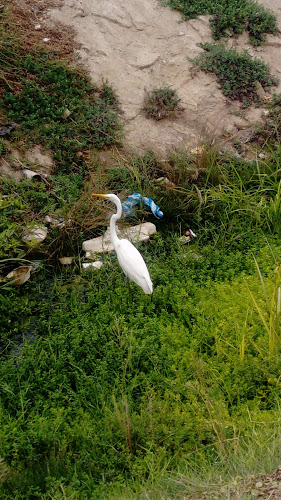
[65, 261]
[20, 275]
[92, 265]
[37, 27]
[35, 234]
[141, 232]
[66, 113]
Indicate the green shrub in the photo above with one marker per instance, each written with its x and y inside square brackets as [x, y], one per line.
[231, 17]
[237, 73]
[120, 381]
[40, 105]
[160, 103]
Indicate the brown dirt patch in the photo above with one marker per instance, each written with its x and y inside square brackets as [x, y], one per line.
[27, 15]
[138, 46]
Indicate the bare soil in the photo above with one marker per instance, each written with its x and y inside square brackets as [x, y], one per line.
[138, 46]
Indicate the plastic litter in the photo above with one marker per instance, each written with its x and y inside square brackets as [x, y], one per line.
[187, 237]
[8, 129]
[29, 174]
[136, 199]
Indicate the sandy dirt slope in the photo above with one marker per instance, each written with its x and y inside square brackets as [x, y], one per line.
[138, 45]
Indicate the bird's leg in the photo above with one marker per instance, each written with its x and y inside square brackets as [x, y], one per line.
[129, 290]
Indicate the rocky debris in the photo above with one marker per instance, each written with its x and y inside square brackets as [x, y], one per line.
[42, 159]
[92, 265]
[101, 244]
[20, 275]
[55, 221]
[12, 164]
[8, 129]
[66, 261]
[35, 234]
[8, 170]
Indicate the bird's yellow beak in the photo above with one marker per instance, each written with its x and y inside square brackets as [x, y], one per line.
[99, 195]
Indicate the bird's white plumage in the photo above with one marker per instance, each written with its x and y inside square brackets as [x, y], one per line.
[133, 265]
[129, 258]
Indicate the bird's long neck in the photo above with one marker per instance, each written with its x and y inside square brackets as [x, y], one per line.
[114, 218]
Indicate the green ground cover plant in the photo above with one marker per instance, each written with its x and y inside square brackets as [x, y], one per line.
[230, 17]
[237, 73]
[101, 386]
[108, 394]
[45, 90]
[36, 89]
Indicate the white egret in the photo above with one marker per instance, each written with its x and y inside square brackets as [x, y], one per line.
[128, 256]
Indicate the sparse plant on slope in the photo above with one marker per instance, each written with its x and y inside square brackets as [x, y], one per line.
[237, 73]
[231, 17]
[161, 103]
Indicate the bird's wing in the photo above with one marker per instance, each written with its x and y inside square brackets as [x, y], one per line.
[133, 264]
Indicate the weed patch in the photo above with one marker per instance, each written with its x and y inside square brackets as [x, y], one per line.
[231, 17]
[237, 73]
[48, 90]
[161, 103]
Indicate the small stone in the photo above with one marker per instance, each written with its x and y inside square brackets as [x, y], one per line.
[37, 27]
[46, 40]
[66, 113]
[20, 275]
[92, 265]
[55, 222]
[181, 33]
[66, 261]
[101, 244]
[262, 156]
